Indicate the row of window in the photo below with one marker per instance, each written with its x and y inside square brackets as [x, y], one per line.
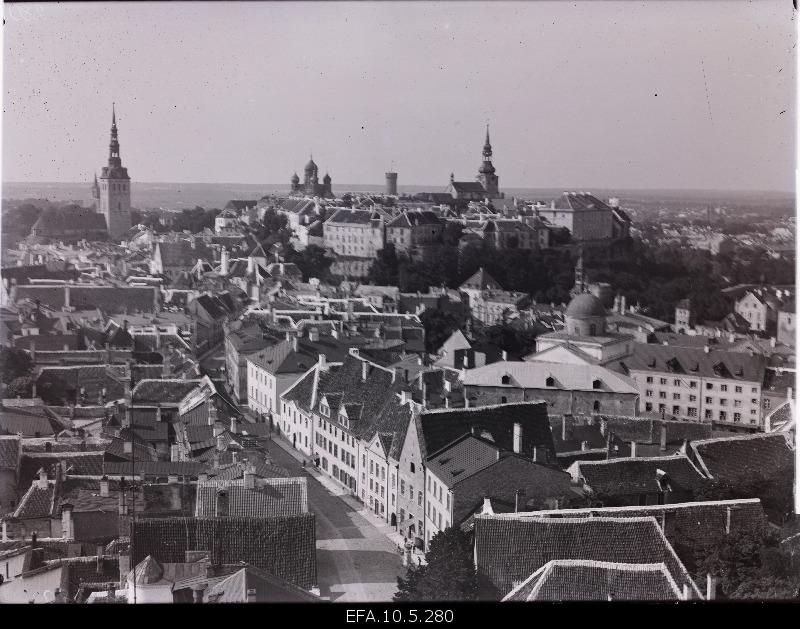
[692, 384]
[691, 411]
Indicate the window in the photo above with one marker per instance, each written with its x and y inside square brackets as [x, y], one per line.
[709, 400]
[676, 396]
[596, 384]
[596, 406]
[676, 410]
[663, 381]
[693, 398]
[402, 487]
[691, 411]
[754, 390]
[693, 384]
[648, 393]
[323, 408]
[550, 381]
[649, 379]
[676, 382]
[448, 502]
[419, 498]
[371, 469]
[662, 408]
[709, 386]
[723, 416]
[411, 465]
[767, 404]
[506, 379]
[737, 417]
[648, 407]
[723, 402]
[753, 411]
[738, 389]
[723, 387]
[662, 395]
[737, 403]
[708, 413]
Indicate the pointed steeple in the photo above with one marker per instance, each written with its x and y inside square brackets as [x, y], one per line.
[487, 147]
[113, 147]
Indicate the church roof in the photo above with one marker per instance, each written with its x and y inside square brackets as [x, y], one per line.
[585, 305]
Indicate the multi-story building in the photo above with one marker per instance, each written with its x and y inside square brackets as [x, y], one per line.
[760, 306]
[414, 229]
[354, 233]
[704, 385]
[488, 302]
[486, 184]
[584, 215]
[240, 343]
[568, 389]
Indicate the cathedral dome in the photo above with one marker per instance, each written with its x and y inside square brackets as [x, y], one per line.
[585, 305]
[295, 178]
[311, 166]
[326, 178]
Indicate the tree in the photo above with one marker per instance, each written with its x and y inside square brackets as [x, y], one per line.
[449, 574]
[312, 261]
[14, 363]
[440, 324]
[20, 387]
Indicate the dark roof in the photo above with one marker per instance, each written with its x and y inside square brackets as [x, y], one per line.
[462, 459]
[283, 546]
[696, 363]
[267, 589]
[109, 299]
[10, 451]
[743, 457]
[34, 421]
[54, 222]
[437, 429]
[468, 186]
[580, 201]
[37, 502]
[508, 549]
[76, 463]
[502, 479]
[190, 469]
[62, 385]
[182, 254]
[23, 274]
[361, 217]
[583, 580]
[633, 476]
[413, 218]
[162, 391]
[47, 342]
[481, 280]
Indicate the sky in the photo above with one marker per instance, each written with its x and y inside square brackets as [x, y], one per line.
[688, 95]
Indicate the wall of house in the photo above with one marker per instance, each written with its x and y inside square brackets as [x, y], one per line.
[38, 588]
[8, 490]
[11, 568]
[411, 486]
[438, 506]
[559, 401]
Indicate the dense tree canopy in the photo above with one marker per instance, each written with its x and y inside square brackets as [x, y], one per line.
[14, 363]
[449, 574]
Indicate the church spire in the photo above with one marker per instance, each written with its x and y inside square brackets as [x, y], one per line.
[113, 147]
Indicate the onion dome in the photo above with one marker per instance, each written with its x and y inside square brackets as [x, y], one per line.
[295, 178]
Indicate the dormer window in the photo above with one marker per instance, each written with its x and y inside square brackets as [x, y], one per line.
[506, 379]
[550, 381]
[325, 410]
[597, 384]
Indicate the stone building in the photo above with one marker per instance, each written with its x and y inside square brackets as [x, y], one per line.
[113, 194]
[311, 186]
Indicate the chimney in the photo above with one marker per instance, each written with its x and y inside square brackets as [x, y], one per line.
[197, 592]
[220, 441]
[535, 454]
[222, 504]
[564, 427]
[234, 425]
[772, 342]
[66, 297]
[685, 591]
[104, 486]
[623, 305]
[127, 446]
[250, 477]
[100, 552]
[707, 349]
[487, 506]
[224, 259]
[322, 362]
[603, 427]
[505, 355]
[663, 446]
[364, 370]
[251, 595]
[584, 446]
[711, 587]
[517, 437]
[633, 449]
[67, 531]
[517, 494]
[294, 343]
[313, 335]
[251, 265]
[42, 482]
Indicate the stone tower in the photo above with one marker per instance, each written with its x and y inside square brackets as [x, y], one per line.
[115, 189]
[391, 184]
[486, 173]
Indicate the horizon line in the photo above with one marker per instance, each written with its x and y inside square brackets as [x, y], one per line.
[433, 187]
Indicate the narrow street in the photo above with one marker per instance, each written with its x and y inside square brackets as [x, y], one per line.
[355, 560]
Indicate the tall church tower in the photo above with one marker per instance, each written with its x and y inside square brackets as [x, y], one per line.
[486, 173]
[115, 189]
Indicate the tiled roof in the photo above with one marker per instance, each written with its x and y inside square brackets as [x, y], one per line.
[413, 218]
[190, 469]
[109, 299]
[695, 363]
[580, 201]
[460, 460]
[585, 580]
[271, 497]
[37, 502]
[283, 546]
[344, 215]
[281, 357]
[10, 451]
[76, 463]
[508, 550]
[502, 479]
[695, 522]
[47, 342]
[496, 423]
[162, 391]
[62, 385]
[743, 457]
[481, 280]
[267, 589]
[632, 476]
[116, 451]
[182, 254]
[468, 186]
[30, 421]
